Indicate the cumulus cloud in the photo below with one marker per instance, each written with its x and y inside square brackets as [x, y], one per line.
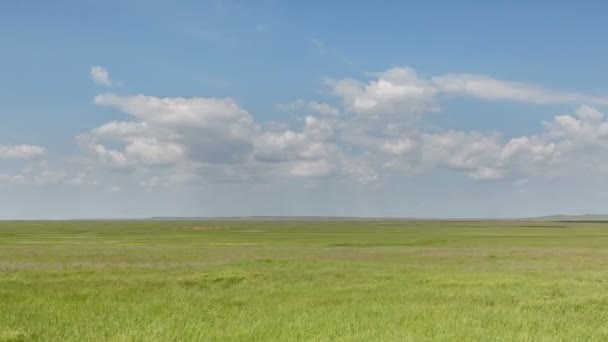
[533, 149]
[142, 144]
[323, 108]
[42, 173]
[21, 151]
[394, 91]
[417, 151]
[402, 91]
[202, 134]
[111, 158]
[178, 111]
[373, 132]
[396, 99]
[166, 128]
[101, 76]
[566, 141]
[154, 152]
[310, 107]
[587, 124]
[488, 173]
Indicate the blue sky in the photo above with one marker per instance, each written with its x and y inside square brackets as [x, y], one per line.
[388, 108]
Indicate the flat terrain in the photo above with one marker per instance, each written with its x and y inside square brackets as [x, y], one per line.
[303, 281]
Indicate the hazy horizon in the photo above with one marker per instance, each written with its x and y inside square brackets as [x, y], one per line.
[550, 217]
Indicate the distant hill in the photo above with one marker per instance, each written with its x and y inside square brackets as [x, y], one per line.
[560, 217]
[286, 218]
[572, 217]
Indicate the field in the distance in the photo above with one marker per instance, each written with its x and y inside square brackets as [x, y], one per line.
[305, 280]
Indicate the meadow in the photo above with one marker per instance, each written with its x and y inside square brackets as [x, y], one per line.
[303, 281]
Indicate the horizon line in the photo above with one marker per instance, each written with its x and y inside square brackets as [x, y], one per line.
[313, 217]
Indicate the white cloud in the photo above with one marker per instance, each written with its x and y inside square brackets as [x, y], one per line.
[121, 128]
[111, 158]
[586, 125]
[310, 107]
[533, 149]
[178, 111]
[155, 152]
[375, 132]
[219, 129]
[212, 139]
[566, 141]
[42, 173]
[279, 146]
[21, 151]
[142, 143]
[401, 90]
[399, 146]
[206, 133]
[488, 173]
[311, 168]
[395, 91]
[397, 98]
[457, 150]
[488, 88]
[101, 76]
[323, 108]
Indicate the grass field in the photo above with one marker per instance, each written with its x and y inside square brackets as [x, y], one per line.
[303, 281]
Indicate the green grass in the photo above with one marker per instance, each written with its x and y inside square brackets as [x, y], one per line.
[303, 281]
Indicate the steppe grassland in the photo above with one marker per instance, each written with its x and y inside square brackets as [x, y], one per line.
[303, 280]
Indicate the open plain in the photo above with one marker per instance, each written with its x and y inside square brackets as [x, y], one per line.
[303, 280]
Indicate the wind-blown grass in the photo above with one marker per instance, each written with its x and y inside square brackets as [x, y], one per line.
[305, 280]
